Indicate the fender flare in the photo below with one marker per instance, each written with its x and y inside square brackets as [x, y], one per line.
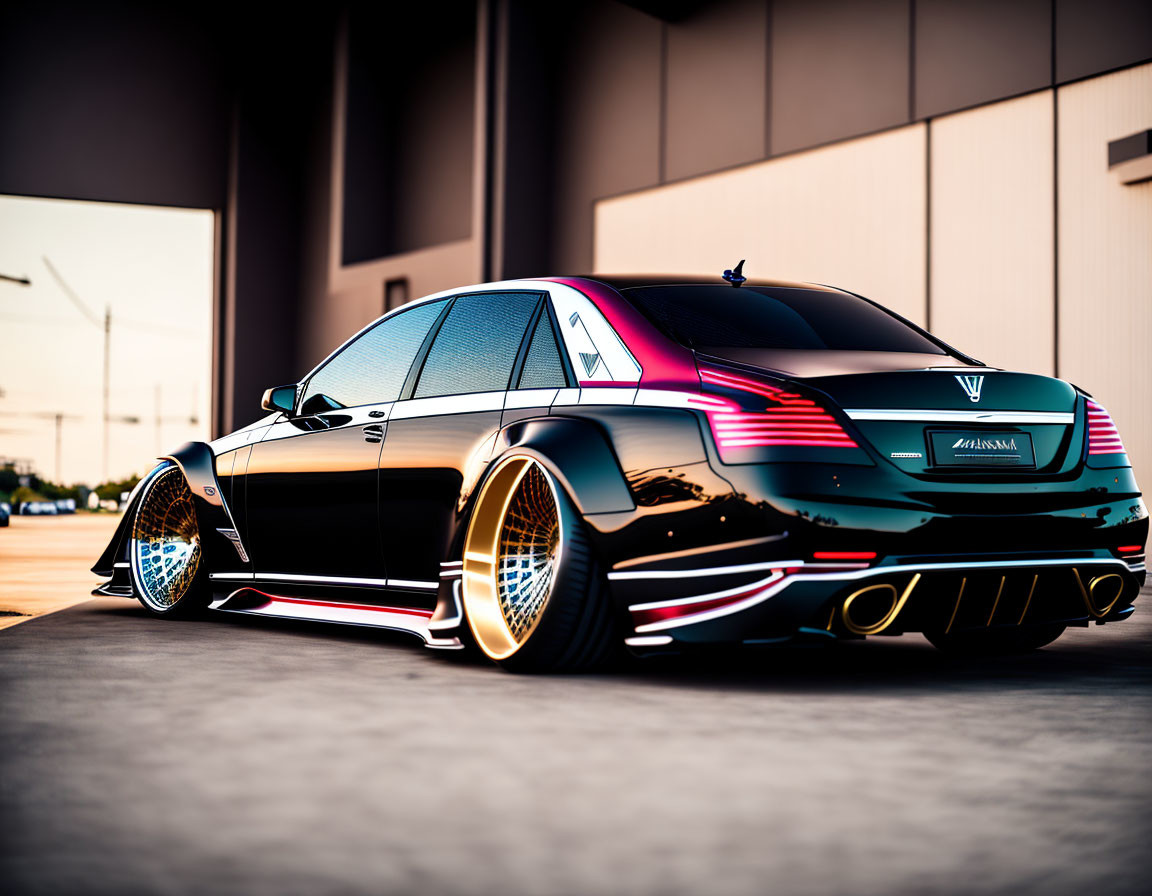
[197, 463]
[577, 453]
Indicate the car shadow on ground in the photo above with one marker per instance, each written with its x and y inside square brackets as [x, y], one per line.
[1117, 655]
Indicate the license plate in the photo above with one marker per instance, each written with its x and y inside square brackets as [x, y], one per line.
[957, 448]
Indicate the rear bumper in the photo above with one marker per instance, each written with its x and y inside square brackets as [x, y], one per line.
[782, 601]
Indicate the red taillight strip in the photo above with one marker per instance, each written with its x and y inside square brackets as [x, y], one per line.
[1103, 436]
[844, 555]
[1131, 549]
[791, 420]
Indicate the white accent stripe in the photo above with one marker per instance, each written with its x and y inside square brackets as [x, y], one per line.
[453, 621]
[323, 580]
[935, 416]
[774, 587]
[607, 395]
[448, 404]
[707, 571]
[648, 641]
[530, 398]
[672, 398]
[702, 598]
[333, 580]
[413, 584]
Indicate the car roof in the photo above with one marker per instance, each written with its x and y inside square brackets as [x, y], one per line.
[635, 281]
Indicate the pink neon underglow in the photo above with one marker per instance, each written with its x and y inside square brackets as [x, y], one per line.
[1103, 436]
[788, 420]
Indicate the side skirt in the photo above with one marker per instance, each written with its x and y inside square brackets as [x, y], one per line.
[410, 620]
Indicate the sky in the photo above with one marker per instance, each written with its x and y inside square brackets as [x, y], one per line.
[154, 268]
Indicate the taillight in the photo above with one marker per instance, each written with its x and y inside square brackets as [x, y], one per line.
[1103, 436]
[787, 420]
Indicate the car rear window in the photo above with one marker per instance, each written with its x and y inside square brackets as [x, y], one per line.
[775, 318]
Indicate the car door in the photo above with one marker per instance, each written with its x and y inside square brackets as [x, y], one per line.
[311, 482]
[442, 434]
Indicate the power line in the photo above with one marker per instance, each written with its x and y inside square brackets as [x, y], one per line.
[93, 317]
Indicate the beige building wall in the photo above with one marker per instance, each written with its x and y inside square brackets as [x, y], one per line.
[1040, 258]
[851, 215]
[1105, 255]
[992, 258]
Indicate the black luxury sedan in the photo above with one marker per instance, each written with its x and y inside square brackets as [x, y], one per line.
[553, 471]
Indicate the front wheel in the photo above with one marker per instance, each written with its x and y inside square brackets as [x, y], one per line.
[533, 594]
[164, 553]
[997, 642]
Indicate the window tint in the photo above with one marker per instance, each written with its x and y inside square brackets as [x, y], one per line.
[775, 318]
[373, 368]
[543, 368]
[477, 345]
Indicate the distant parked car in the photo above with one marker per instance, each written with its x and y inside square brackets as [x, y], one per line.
[38, 508]
[4, 514]
[66, 505]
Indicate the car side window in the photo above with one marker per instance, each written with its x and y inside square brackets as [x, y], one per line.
[476, 347]
[373, 369]
[543, 368]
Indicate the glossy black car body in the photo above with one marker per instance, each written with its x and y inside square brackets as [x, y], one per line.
[747, 465]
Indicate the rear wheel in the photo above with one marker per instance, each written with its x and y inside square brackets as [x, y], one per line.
[164, 553]
[996, 642]
[533, 594]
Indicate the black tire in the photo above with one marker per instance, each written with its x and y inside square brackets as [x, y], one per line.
[996, 642]
[574, 628]
[165, 560]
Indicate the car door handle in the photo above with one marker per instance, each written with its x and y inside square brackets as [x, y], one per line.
[373, 432]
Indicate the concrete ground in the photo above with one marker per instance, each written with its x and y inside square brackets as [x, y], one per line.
[241, 755]
[45, 562]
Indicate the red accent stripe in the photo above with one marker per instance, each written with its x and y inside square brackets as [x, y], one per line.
[402, 611]
[844, 555]
[678, 611]
[608, 384]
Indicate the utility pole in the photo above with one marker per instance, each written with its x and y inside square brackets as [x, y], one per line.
[107, 367]
[57, 418]
[59, 430]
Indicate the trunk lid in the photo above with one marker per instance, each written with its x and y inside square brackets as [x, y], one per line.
[961, 421]
[939, 416]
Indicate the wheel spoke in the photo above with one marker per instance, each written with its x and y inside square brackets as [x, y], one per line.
[166, 541]
[529, 538]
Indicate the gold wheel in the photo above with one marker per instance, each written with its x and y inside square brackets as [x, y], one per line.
[165, 542]
[511, 555]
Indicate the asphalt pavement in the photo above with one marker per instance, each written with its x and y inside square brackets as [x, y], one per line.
[239, 755]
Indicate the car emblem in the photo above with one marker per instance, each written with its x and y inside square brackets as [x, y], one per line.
[971, 386]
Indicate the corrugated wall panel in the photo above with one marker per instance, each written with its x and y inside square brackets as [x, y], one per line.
[992, 270]
[1105, 251]
[852, 215]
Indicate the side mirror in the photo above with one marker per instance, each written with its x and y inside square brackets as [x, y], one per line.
[281, 399]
